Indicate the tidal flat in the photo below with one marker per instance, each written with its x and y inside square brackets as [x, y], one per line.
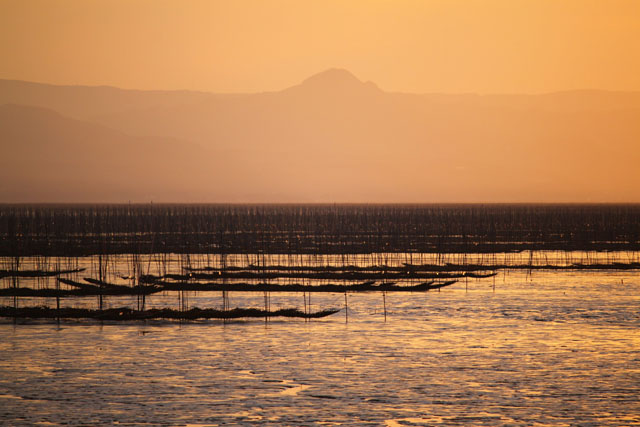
[541, 330]
[548, 348]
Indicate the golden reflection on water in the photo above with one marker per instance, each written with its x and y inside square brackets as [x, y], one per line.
[548, 348]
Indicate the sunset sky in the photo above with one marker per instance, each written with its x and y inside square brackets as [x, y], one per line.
[314, 101]
[480, 46]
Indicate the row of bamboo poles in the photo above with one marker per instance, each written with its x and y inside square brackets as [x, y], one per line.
[294, 248]
[315, 229]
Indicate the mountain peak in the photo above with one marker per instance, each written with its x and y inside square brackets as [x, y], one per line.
[333, 76]
[335, 79]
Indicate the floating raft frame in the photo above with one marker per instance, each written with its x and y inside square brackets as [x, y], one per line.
[210, 279]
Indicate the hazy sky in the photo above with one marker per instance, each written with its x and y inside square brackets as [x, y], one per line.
[483, 46]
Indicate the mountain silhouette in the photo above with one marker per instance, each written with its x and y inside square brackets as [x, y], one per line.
[334, 81]
[332, 138]
[51, 158]
[87, 101]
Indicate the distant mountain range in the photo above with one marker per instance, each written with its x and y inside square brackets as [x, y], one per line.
[331, 138]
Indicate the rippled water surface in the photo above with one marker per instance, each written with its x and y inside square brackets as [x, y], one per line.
[554, 348]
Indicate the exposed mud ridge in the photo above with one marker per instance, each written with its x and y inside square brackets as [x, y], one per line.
[125, 313]
[159, 286]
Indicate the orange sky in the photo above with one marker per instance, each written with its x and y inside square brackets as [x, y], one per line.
[484, 46]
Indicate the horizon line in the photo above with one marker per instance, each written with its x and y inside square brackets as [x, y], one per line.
[132, 203]
[209, 92]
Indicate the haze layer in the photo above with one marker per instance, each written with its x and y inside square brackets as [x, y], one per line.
[332, 138]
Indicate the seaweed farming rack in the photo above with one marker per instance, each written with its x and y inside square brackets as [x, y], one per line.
[69, 253]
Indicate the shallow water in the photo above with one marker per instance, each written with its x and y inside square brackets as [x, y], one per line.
[552, 348]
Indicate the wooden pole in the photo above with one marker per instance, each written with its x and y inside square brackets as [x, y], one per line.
[58, 301]
[266, 308]
[346, 309]
[304, 297]
[384, 304]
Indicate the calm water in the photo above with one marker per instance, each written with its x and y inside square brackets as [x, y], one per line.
[554, 348]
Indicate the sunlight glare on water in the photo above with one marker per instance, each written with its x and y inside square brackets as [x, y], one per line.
[549, 348]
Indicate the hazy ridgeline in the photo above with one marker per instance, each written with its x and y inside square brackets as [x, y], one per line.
[76, 230]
